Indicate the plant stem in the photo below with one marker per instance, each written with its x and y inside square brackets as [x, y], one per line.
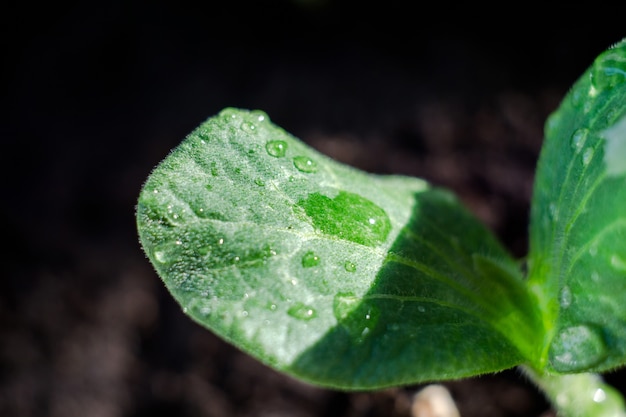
[579, 395]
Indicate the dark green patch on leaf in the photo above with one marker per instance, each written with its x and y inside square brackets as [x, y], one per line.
[348, 216]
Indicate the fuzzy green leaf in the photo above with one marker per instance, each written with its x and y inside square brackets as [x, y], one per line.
[338, 277]
[578, 222]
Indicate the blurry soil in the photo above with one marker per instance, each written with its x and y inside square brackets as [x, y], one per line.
[99, 93]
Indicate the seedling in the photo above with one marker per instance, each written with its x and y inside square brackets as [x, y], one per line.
[356, 281]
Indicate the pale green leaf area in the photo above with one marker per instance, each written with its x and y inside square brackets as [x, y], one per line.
[335, 276]
[578, 223]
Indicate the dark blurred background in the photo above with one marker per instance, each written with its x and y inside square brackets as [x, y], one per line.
[96, 93]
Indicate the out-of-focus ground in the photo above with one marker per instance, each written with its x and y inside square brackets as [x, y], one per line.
[96, 94]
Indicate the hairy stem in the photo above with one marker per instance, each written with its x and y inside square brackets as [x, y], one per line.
[579, 395]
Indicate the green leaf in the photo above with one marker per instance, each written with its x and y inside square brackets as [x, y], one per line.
[578, 222]
[338, 277]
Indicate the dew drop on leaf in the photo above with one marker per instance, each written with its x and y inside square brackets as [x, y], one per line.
[618, 263]
[587, 155]
[349, 266]
[363, 325]
[348, 216]
[577, 348]
[554, 211]
[305, 164]
[301, 312]
[259, 182]
[248, 127]
[579, 138]
[344, 304]
[566, 297]
[609, 69]
[259, 115]
[310, 259]
[160, 256]
[276, 148]
[229, 113]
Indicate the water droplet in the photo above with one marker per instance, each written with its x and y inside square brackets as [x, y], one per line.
[229, 113]
[310, 259]
[305, 164]
[259, 182]
[160, 256]
[609, 69]
[618, 263]
[363, 326]
[276, 148]
[301, 312]
[344, 304]
[577, 348]
[554, 211]
[421, 309]
[271, 307]
[587, 156]
[248, 127]
[259, 115]
[348, 216]
[358, 317]
[579, 138]
[595, 277]
[566, 297]
[244, 313]
[349, 266]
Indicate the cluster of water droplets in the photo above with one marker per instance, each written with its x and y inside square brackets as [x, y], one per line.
[278, 149]
[370, 220]
[578, 142]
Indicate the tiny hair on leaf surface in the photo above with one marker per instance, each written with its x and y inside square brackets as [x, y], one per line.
[253, 242]
[357, 281]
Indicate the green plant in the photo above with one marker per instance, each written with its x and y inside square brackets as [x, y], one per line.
[356, 281]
